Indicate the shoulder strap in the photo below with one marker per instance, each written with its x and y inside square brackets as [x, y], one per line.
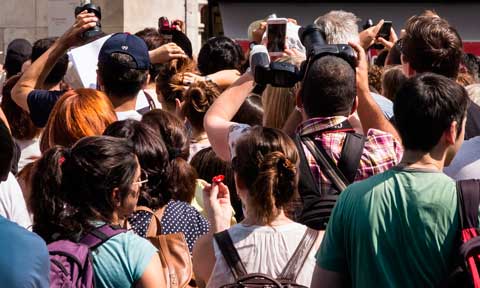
[100, 235]
[307, 182]
[297, 261]
[230, 254]
[151, 103]
[328, 167]
[352, 151]
[155, 226]
[468, 192]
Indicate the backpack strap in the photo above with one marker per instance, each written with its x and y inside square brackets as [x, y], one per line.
[100, 235]
[155, 226]
[352, 151]
[308, 186]
[468, 192]
[230, 254]
[151, 104]
[297, 261]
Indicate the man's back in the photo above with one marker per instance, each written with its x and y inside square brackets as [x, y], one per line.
[24, 258]
[396, 229]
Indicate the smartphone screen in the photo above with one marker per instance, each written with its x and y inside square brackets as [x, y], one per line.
[276, 37]
[385, 30]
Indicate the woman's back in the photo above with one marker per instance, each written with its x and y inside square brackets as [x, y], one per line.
[121, 260]
[263, 249]
[178, 217]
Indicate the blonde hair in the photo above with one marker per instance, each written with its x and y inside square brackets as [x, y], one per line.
[278, 103]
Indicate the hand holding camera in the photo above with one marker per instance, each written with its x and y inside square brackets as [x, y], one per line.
[95, 31]
[74, 35]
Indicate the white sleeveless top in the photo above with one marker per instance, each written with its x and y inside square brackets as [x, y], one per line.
[263, 249]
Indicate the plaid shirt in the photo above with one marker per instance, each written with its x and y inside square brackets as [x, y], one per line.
[381, 152]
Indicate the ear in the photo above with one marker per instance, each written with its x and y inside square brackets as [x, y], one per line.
[354, 106]
[99, 82]
[116, 197]
[407, 69]
[178, 108]
[450, 134]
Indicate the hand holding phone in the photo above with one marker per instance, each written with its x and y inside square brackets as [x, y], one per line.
[384, 33]
[276, 36]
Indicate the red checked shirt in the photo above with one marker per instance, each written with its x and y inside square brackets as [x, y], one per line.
[381, 152]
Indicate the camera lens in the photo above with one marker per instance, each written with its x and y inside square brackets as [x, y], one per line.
[311, 36]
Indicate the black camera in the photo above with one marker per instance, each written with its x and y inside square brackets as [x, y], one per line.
[91, 8]
[313, 40]
[280, 74]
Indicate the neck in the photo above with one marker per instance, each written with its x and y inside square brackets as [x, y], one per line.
[52, 87]
[123, 103]
[419, 159]
[252, 219]
[198, 134]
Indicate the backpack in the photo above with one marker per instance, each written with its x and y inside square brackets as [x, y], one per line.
[173, 250]
[71, 262]
[467, 268]
[286, 278]
[317, 204]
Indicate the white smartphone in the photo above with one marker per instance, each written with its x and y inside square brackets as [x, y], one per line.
[276, 36]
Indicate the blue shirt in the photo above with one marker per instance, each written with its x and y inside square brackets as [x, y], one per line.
[24, 260]
[121, 261]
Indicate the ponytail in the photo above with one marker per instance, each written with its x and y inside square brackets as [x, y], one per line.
[274, 186]
[47, 201]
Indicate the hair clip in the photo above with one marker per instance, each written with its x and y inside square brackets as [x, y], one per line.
[61, 160]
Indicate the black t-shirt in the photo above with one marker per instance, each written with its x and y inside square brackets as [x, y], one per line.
[40, 103]
[472, 127]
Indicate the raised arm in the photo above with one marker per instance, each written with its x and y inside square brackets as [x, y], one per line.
[217, 120]
[35, 75]
[371, 116]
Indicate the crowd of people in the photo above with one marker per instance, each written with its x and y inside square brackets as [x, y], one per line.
[348, 178]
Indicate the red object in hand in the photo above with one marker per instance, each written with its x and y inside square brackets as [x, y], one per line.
[217, 179]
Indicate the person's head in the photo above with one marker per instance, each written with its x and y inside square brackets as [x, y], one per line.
[392, 79]
[182, 41]
[77, 114]
[340, 27]
[175, 137]
[471, 65]
[381, 58]
[169, 83]
[474, 93]
[18, 51]
[7, 148]
[98, 179]
[123, 64]
[430, 113]
[59, 69]
[220, 53]
[208, 165]
[394, 55]
[153, 40]
[279, 102]
[152, 155]
[198, 98]
[20, 122]
[265, 169]
[328, 89]
[430, 44]
[251, 112]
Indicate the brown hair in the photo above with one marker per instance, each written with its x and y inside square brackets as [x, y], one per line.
[21, 125]
[375, 77]
[278, 102]
[77, 114]
[198, 98]
[169, 82]
[175, 136]
[430, 44]
[392, 79]
[267, 167]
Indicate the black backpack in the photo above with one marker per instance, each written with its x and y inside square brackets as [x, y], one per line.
[466, 272]
[317, 204]
[252, 280]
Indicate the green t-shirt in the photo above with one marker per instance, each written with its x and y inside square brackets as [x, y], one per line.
[395, 229]
[121, 261]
